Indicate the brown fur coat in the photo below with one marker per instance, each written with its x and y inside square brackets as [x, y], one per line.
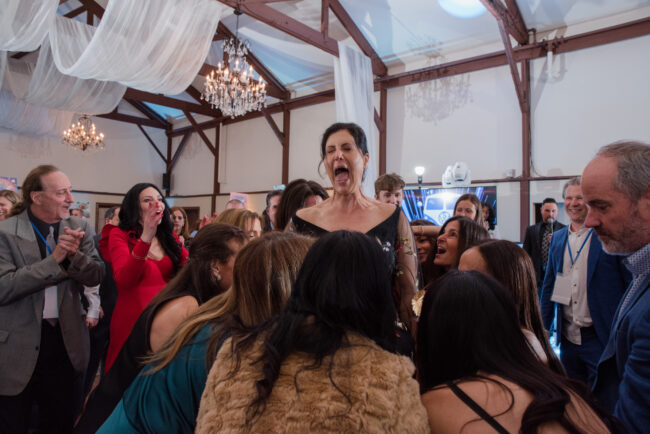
[384, 397]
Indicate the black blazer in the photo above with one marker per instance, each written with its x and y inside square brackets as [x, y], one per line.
[533, 245]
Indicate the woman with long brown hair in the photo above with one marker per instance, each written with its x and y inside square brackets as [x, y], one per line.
[207, 274]
[165, 396]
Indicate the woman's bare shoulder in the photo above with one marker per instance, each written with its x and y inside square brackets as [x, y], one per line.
[314, 212]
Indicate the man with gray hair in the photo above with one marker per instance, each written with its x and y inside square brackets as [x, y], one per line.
[616, 185]
[582, 287]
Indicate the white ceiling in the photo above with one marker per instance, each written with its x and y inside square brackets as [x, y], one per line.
[405, 33]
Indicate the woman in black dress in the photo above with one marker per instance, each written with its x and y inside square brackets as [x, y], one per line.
[344, 154]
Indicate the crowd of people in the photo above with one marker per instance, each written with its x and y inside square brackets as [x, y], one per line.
[328, 313]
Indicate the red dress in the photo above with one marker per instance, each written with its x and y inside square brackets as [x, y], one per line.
[137, 281]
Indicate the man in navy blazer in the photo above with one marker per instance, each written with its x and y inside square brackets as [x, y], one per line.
[582, 288]
[616, 186]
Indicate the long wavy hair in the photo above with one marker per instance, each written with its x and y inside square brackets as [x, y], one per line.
[469, 324]
[264, 271]
[469, 235]
[512, 267]
[196, 277]
[130, 222]
[343, 287]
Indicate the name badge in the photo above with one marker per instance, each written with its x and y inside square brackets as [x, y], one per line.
[562, 289]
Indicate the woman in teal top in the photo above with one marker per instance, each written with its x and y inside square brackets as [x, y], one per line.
[165, 396]
[166, 400]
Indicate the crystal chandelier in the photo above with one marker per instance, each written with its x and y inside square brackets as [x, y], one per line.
[83, 135]
[231, 88]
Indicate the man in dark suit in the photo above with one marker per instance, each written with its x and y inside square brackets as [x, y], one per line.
[538, 238]
[46, 257]
[582, 287]
[616, 185]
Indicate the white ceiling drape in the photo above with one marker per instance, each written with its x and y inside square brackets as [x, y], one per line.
[151, 45]
[50, 88]
[19, 116]
[354, 90]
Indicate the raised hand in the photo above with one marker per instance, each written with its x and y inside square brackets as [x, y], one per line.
[151, 218]
[207, 220]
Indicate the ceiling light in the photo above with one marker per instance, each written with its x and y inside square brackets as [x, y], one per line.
[83, 135]
[231, 88]
[463, 8]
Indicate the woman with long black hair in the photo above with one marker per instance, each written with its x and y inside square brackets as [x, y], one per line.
[145, 254]
[477, 373]
[325, 364]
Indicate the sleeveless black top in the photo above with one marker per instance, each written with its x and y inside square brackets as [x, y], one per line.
[385, 233]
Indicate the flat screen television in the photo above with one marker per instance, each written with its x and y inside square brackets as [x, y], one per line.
[437, 204]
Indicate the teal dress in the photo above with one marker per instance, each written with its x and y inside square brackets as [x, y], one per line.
[167, 400]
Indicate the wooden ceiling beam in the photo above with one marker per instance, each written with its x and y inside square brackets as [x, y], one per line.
[304, 101]
[201, 133]
[150, 140]
[514, 70]
[513, 22]
[179, 150]
[279, 134]
[378, 66]
[160, 99]
[121, 117]
[607, 35]
[149, 112]
[286, 24]
[93, 7]
[281, 92]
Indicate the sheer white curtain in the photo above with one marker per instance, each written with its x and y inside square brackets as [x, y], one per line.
[19, 116]
[24, 23]
[50, 88]
[152, 45]
[353, 83]
[23, 26]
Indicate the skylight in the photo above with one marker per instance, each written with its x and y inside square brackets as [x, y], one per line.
[463, 8]
[166, 112]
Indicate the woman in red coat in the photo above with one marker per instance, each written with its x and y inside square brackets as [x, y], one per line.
[145, 254]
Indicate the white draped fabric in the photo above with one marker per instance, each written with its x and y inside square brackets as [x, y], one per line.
[24, 23]
[354, 90]
[153, 45]
[49, 88]
[19, 116]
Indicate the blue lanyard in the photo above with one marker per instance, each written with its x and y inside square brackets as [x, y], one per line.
[47, 246]
[568, 246]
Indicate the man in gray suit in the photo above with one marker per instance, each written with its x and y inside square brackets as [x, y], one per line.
[46, 257]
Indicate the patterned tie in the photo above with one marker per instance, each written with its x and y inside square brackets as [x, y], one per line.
[545, 242]
[51, 307]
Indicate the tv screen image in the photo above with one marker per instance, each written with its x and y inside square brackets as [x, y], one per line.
[437, 204]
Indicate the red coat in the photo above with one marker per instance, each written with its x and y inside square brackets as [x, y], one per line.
[137, 281]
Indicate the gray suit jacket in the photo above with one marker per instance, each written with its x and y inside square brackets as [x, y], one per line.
[23, 277]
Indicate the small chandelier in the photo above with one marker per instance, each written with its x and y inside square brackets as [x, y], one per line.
[83, 135]
[231, 87]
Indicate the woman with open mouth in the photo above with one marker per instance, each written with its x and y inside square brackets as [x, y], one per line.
[145, 254]
[344, 153]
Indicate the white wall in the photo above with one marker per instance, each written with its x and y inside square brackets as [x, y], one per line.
[600, 95]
